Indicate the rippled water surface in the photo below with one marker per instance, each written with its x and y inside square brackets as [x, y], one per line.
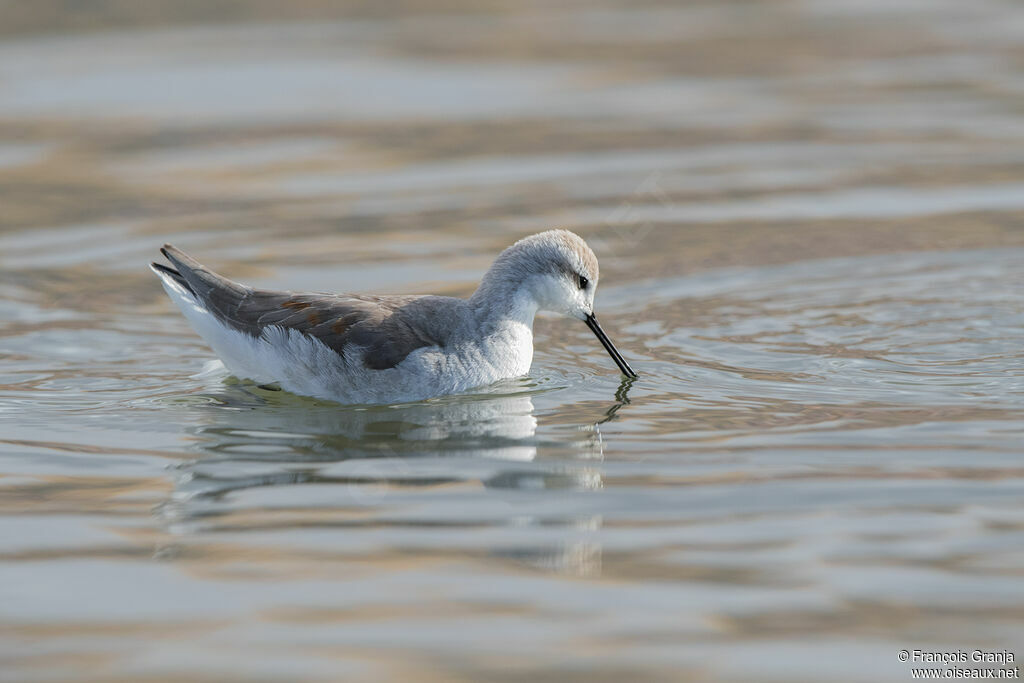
[810, 219]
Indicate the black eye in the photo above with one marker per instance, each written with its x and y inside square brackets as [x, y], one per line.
[583, 281]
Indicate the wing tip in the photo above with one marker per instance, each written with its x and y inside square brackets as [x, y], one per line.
[185, 266]
[171, 252]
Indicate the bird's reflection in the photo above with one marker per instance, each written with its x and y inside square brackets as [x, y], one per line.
[378, 457]
[621, 399]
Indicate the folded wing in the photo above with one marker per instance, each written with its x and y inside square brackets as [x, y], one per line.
[346, 323]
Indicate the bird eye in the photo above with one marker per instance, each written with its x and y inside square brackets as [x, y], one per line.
[583, 281]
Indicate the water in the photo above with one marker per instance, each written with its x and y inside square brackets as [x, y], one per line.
[809, 219]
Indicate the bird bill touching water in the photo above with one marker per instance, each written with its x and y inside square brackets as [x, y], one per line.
[355, 348]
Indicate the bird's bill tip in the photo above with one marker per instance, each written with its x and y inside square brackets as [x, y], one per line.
[595, 327]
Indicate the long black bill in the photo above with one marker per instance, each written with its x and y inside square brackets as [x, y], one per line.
[609, 347]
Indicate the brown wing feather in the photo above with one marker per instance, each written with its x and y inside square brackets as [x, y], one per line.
[340, 321]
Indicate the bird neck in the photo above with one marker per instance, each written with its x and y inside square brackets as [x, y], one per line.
[503, 300]
[504, 334]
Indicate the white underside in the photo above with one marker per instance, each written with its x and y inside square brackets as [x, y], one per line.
[303, 365]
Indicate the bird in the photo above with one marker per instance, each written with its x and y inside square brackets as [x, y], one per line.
[383, 349]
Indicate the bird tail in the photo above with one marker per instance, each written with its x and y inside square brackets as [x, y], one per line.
[166, 272]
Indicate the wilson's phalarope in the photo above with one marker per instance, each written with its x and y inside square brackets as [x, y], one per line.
[356, 348]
